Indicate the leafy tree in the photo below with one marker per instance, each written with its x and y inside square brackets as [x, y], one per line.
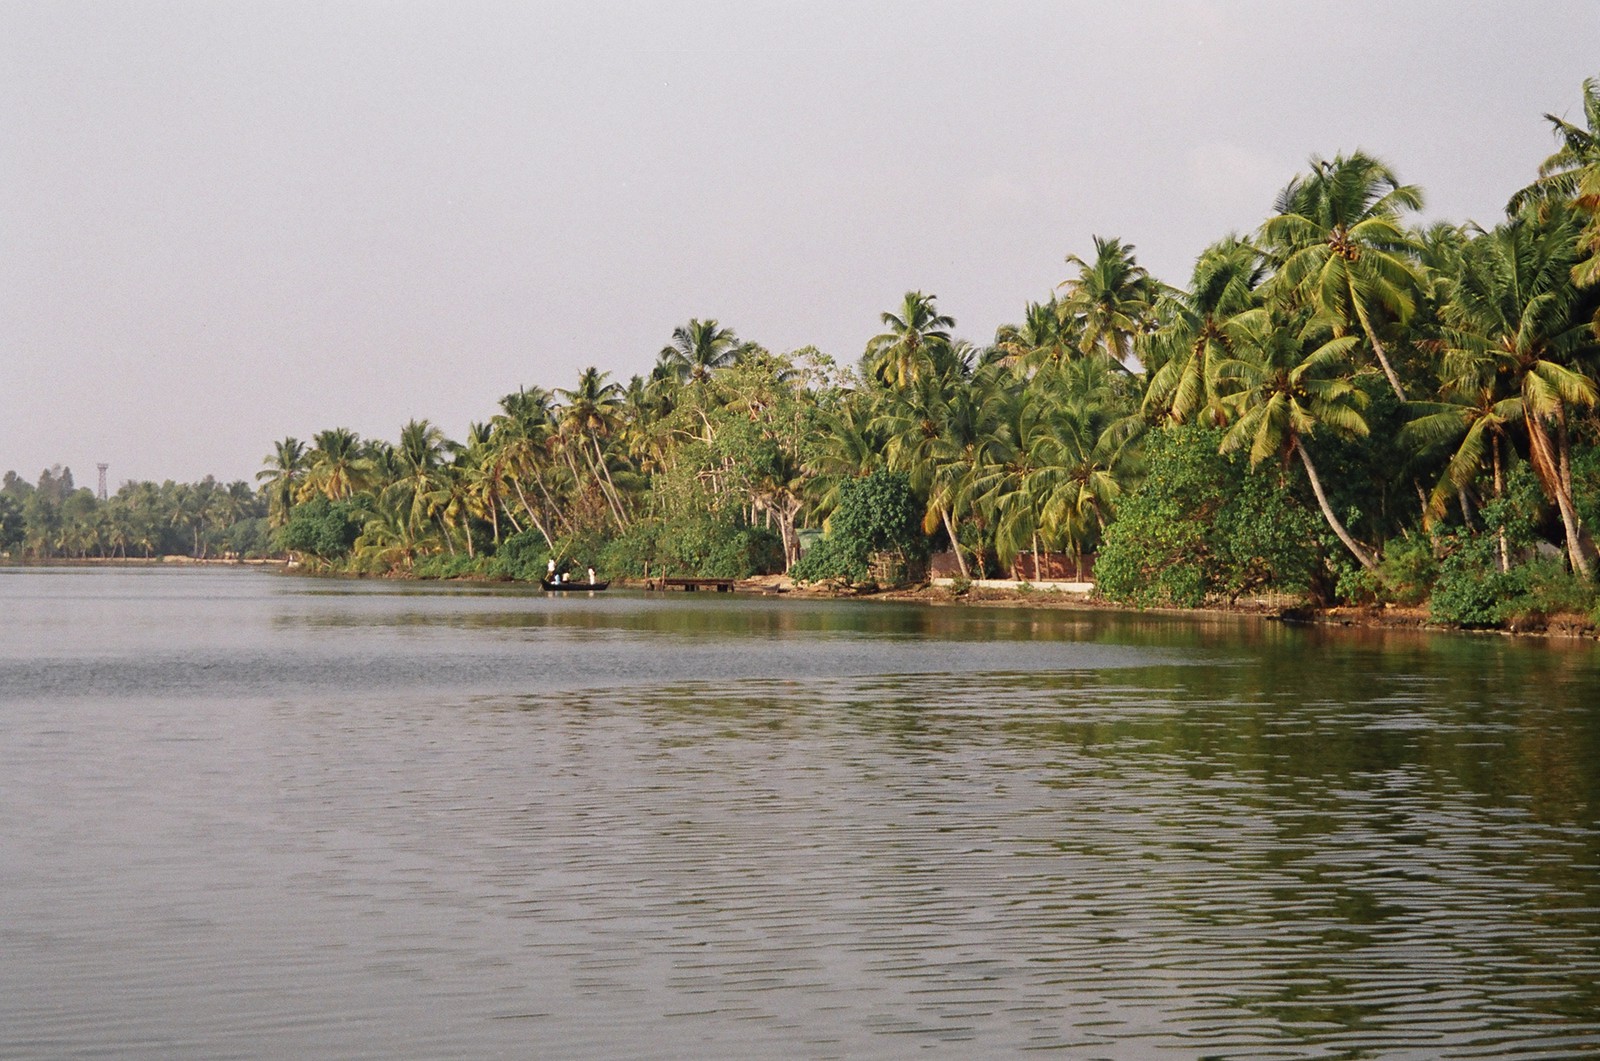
[322, 528]
[877, 513]
[1205, 524]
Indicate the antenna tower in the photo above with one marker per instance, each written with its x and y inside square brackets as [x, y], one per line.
[102, 468]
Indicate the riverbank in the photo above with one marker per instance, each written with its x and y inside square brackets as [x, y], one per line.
[1289, 610]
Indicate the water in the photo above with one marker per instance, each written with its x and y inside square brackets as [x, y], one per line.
[246, 815]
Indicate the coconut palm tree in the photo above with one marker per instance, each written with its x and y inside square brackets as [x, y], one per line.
[1514, 308]
[522, 434]
[1110, 301]
[1041, 338]
[591, 413]
[420, 458]
[916, 343]
[699, 348]
[1187, 350]
[1340, 247]
[281, 477]
[1080, 452]
[337, 465]
[1291, 371]
[1573, 174]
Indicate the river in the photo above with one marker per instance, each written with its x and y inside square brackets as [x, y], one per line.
[244, 814]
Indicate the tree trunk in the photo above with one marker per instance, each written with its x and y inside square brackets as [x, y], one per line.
[1327, 512]
[1547, 465]
[601, 457]
[532, 515]
[955, 546]
[1377, 348]
[1500, 492]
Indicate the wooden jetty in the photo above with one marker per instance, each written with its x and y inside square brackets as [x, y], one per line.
[692, 585]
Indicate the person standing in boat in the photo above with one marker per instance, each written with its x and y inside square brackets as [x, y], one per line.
[591, 576]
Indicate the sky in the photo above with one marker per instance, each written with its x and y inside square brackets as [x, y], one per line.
[224, 222]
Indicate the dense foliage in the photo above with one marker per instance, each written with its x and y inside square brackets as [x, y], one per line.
[53, 517]
[1343, 406]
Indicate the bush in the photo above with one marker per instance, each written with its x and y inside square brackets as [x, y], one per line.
[452, 565]
[877, 514]
[321, 528]
[523, 556]
[1408, 569]
[1202, 524]
[702, 544]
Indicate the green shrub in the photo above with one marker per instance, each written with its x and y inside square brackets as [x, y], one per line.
[1409, 570]
[877, 514]
[1202, 524]
[322, 528]
[523, 556]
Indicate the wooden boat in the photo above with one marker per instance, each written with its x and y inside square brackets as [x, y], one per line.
[593, 587]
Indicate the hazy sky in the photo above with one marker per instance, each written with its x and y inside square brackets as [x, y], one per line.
[227, 222]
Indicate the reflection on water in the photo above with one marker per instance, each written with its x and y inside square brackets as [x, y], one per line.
[333, 819]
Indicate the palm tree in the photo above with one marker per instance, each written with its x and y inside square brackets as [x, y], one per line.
[1110, 301]
[1340, 248]
[337, 466]
[1514, 307]
[420, 458]
[281, 477]
[1290, 373]
[915, 344]
[1080, 452]
[591, 414]
[1041, 338]
[1472, 421]
[1187, 350]
[1573, 174]
[699, 348]
[522, 434]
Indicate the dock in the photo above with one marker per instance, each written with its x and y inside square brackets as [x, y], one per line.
[692, 585]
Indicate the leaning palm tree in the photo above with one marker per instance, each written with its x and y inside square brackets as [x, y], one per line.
[281, 478]
[1292, 374]
[591, 414]
[1110, 301]
[1341, 249]
[1573, 174]
[522, 436]
[1514, 306]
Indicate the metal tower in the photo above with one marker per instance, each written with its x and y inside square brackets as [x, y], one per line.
[102, 468]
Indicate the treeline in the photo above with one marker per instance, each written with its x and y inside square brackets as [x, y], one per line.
[1343, 404]
[55, 518]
